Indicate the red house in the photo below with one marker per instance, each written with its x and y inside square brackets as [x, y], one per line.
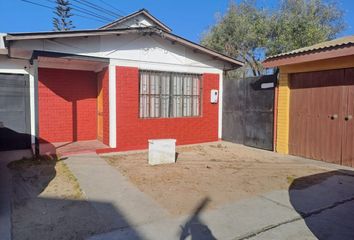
[127, 82]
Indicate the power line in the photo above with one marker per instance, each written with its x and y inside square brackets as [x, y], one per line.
[100, 9]
[51, 8]
[106, 9]
[110, 5]
[85, 11]
[93, 15]
[38, 4]
[98, 20]
[97, 8]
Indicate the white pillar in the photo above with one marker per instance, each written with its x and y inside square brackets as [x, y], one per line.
[32, 107]
[112, 107]
[221, 81]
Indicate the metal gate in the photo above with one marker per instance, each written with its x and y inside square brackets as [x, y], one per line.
[14, 112]
[248, 111]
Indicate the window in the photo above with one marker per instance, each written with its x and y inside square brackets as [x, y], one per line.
[168, 95]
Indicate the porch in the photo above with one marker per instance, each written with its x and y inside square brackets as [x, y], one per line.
[71, 148]
[72, 104]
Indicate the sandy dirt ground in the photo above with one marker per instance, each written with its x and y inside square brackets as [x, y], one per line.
[223, 172]
[48, 202]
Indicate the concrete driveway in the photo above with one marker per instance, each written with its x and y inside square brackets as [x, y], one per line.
[318, 206]
[314, 206]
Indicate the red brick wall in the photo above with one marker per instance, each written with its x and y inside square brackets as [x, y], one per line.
[133, 132]
[104, 75]
[67, 105]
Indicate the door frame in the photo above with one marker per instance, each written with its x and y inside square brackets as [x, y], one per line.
[100, 97]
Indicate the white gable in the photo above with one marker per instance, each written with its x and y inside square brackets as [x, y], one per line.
[136, 21]
[145, 52]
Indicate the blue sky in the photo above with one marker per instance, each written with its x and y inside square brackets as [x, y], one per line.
[187, 18]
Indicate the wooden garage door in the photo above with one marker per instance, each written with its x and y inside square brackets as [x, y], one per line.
[321, 104]
[348, 133]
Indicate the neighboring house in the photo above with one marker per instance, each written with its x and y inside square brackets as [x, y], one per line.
[127, 82]
[315, 106]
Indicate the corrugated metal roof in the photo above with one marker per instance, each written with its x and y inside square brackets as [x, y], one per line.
[320, 46]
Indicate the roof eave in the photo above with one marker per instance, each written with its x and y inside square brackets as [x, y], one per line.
[80, 33]
[173, 38]
[310, 56]
[222, 57]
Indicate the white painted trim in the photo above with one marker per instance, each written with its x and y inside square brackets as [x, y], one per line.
[167, 67]
[13, 66]
[221, 83]
[32, 108]
[13, 71]
[112, 107]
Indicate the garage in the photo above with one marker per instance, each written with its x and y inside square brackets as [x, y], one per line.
[315, 101]
[14, 112]
[321, 112]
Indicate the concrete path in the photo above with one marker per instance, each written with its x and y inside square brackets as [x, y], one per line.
[103, 184]
[305, 213]
[6, 190]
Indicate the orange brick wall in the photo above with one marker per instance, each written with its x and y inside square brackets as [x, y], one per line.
[133, 133]
[67, 105]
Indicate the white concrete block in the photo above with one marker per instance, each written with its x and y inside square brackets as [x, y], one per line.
[162, 151]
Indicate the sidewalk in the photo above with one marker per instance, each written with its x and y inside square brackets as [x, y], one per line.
[102, 183]
[266, 216]
[239, 220]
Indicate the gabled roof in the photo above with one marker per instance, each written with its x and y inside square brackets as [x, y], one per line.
[145, 13]
[334, 48]
[145, 30]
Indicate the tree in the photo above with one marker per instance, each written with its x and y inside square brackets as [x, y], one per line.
[63, 13]
[250, 33]
[240, 33]
[301, 23]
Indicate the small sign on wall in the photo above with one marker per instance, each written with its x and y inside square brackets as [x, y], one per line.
[214, 96]
[267, 85]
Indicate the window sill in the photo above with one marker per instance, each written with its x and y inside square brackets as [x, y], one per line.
[171, 118]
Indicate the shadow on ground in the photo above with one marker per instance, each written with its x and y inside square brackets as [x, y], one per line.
[68, 219]
[194, 228]
[326, 203]
[11, 140]
[44, 216]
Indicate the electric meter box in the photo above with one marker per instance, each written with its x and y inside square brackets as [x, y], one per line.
[214, 96]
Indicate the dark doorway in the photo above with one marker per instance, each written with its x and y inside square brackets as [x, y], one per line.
[14, 112]
[248, 111]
